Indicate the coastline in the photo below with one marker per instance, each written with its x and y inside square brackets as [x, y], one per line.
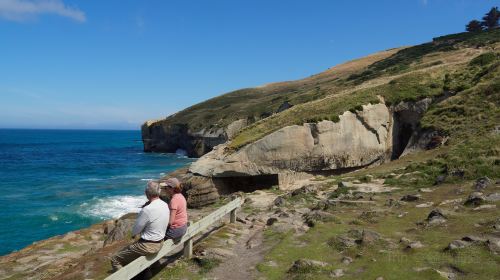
[71, 180]
[85, 251]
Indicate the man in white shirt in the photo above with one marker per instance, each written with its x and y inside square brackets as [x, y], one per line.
[151, 224]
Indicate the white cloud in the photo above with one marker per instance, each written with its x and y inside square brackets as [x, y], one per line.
[22, 10]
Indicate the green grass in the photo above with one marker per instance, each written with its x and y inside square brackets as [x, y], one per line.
[386, 257]
[403, 59]
[183, 269]
[68, 248]
[207, 264]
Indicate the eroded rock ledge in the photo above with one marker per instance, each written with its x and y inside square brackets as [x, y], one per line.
[371, 136]
[358, 139]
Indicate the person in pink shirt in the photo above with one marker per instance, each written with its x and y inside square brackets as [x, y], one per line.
[177, 224]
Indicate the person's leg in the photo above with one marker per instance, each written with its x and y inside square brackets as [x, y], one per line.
[175, 233]
[132, 252]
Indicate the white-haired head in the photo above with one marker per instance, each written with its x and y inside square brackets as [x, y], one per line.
[152, 189]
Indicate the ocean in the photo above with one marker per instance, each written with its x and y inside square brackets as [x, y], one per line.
[56, 181]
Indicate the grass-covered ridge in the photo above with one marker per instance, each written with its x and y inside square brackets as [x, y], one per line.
[257, 103]
[449, 65]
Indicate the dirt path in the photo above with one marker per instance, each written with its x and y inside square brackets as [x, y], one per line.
[247, 247]
[248, 251]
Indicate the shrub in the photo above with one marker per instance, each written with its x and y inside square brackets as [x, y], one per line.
[483, 59]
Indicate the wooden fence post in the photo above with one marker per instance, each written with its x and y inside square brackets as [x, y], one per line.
[232, 217]
[188, 249]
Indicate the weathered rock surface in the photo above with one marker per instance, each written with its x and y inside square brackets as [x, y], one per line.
[357, 140]
[199, 191]
[122, 228]
[482, 183]
[158, 136]
[436, 216]
[475, 199]
[305, 265]
[235, 127]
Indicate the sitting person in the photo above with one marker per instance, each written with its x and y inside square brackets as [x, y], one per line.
[151, 224]
[177, 225]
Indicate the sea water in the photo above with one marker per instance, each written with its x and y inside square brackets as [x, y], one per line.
[56, 181]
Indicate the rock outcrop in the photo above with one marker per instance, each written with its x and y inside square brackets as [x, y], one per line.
[158, 136]
[199, 191]
[359, 139]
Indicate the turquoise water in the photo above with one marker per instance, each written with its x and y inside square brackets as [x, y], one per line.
[55, 181]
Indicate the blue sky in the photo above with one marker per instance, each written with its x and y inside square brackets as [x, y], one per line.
[116, 63]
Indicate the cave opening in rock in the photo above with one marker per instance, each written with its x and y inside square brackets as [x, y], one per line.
[227, 185]
[401, 135]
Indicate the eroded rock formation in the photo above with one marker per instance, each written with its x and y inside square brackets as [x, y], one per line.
[358, 139]
[159, 136]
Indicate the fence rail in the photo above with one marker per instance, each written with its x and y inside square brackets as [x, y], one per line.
[141, 263]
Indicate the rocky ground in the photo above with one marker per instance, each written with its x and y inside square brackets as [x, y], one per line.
[386, 222]
[357, 226]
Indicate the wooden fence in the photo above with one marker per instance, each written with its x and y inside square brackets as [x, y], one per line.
[138, 265]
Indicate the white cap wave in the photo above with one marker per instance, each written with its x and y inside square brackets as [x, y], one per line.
[113, 207]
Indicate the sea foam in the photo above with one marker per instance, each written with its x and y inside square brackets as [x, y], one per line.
[113, 207]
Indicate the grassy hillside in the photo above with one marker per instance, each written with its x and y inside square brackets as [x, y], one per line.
[259, 102]
[452, 63]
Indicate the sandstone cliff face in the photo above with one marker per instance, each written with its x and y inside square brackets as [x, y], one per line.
[358, 139]
[158, 136]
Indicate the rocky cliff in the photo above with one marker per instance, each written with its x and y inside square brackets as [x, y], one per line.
[357, 139]
[158, 136]
[374, 134]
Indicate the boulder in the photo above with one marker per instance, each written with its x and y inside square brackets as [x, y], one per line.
[436, 216]
[121, 230]
[482, 183]
[458, 244]
[304, 190]
[342, 242]
[316, 216]
[279, 201]
[414, 245]
[344, 184]
[475, 199]
[369, 237]
[494, 245]
[306, 265]
[337, 273]
[346, 260]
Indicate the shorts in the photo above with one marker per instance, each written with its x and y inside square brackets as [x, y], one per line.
[175, 233]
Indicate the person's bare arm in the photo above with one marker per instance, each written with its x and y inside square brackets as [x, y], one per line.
[172, 216]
